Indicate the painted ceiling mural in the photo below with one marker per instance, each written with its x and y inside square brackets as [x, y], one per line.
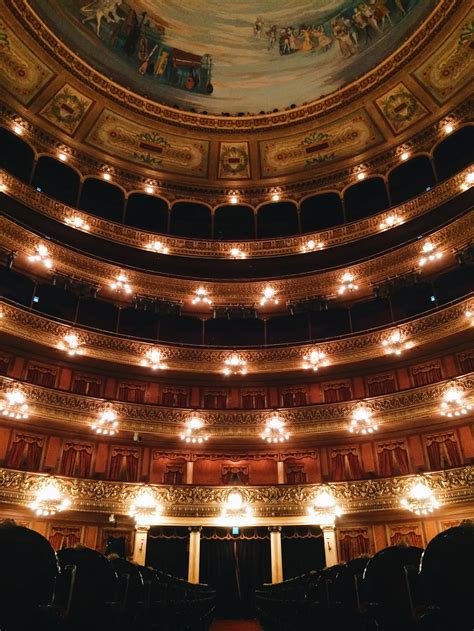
[233, 56]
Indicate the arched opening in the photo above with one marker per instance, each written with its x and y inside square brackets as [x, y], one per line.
[57, 180]
[277, 220]
[410, 179]
[102, 199]
[189, 219]
[16, 156]
[147, 212]
[234, 222]
[455, 152]
[365, 198]
[321, 211]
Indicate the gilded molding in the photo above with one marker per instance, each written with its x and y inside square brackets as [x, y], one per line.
[397, 411]
[453, 487]
[403, 260]
[339, 235]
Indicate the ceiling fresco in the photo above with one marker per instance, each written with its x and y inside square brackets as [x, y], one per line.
[239, 56]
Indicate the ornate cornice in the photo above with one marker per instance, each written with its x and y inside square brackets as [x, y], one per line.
[403, 410]
[270, 503]
[342, 98]
[337, 236]
[398, 262]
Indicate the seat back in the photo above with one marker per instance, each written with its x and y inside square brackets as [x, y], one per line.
[131, 581]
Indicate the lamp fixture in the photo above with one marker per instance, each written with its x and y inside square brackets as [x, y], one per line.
[201, 296]
[362, 422]
[77, 222]
[347, 284]
[236, 511]
[3, 186]
[18, 130]
[430, 253]
[194, 432]
[470, 315]
[71, 344]
[453, 403]
[62, 155]
[311, 246]
[154, 359]
[420, 499]
[468, 181]
[274, 430]
[14, 405]
[107, 424]
[149, 190]
[268, 295]
[325, 509]
[395, 344]
[361, 175]
[314, 360]
[236, 253]
[404, 156]
[49, 501]
[146, 510]
[448, 128]
[106, 174]
[41, 256]
[390, 222]
[158, 247]
[121, 284]
[235, 365]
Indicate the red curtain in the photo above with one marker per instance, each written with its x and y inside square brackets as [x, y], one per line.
[65, 538]
[401, 457]
[174, 474]
[443, 452]
[354, 466]
[425, 377]
[338, 467]
[76, 460]
[467, 363]
[381, 386]
[453, 452]
[405, 535]
[124, 466]
[393, 460]
[25, 453]
[353, 544]
[385, 462]
[41, 377]
[434, 455]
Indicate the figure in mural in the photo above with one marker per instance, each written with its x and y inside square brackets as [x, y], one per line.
[346, 43]
[324, 42]
[271, 35]
[258, 28]
[306, 32]
[99, 10]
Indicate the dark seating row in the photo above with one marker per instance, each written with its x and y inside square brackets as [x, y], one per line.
[79, 588]
[400, 588]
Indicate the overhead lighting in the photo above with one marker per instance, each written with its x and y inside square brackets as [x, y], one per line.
[236, 511]
[235, 365]
[430, 253]
[362, 422]
[468, 181]
[194, 432]
[311, 245]
[236, 253]
[325, 509]
[106, 175]
[390, 222]
[201, 296]
[77, 222]
[18, 130]
[107, 424]
[146, 510]
[121, 284]
[268, 295]
[49, 501]
[14, 405]
[62, 156]
[41, 256]
[149, 189]
[453, 403]
[395, 344]
[233, 199]
[154, 359]
[361, 176]
[448, 128]
[71, 344]
[420, 500]
[274, 430]
[470, 314]
[3, 187]
[157, 246]
[275, 194]
[315, 360]
[347, 284]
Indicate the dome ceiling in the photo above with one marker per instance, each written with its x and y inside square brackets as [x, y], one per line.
[233, 57]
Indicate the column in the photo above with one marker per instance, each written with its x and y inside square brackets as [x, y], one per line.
[194, 553]
[275, 548]
[189, 471]
[330, 546]
[281, 472]
[139, 549]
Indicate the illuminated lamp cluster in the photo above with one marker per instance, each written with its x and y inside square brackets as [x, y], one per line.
[347, 284]
[274, 430]
[201, 296]
[390, 222]
[158, 247]
[15, 405]
[315, 360]
[146, 510]
[236, 511]
[429, 254]
[325, 509]
[107, 424]
[193, 432]
[395, 345]
[453, 403]
[268, 295]
[71, 344]
[75, 221]
[237, 253]
[235, 365]
[468, 181]
[420, 500]
[41, 256]
[49, 501]
[362, 422]
[311, 246]
[154, 359]
[120, 284]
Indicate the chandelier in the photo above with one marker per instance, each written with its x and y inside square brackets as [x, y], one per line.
[468, 181]
[268, 295]
[236, 511]
[145, 510]
[420, 500]
[15, 405]
[347, 284]
[470, 315]
[70, 343]
[311, 245]
[107, 424]
[394, 344]
[235, 365]
[315, 360]
[429, 253]
[453, 403]
[77, 222]
[121, 284]
[193, 432]
[362, 422]
[325, 509]
[49, 501]
[274, 431]
[158, 247]
[236, 253]
[41, 256]
[201, 295]
[153, 359]
[390, 222]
